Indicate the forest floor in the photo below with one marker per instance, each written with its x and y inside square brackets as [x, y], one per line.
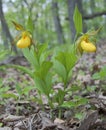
[20, 114]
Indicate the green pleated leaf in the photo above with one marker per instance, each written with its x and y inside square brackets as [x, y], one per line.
[60, 70]
[23, 69]
[68, 104]
[31, 56]
[43, 79]
[29, 24]
[44, 69]
[77, 20]
[67, 59]
[100, 75]
[3, 54]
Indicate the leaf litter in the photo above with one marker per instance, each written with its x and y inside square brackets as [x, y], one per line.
[27, 115]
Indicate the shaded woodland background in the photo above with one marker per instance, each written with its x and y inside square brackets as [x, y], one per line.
[52, 19]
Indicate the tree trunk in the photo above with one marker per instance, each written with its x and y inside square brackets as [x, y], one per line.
[92, 5]
[71, 6]
[5, 29]
[105, 16]
[57, 23]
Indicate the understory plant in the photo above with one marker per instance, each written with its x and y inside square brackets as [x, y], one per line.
[49, 69]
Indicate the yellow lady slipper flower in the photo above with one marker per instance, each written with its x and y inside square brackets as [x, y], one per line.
[88, 46]
[83, 44]
[25, 40]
